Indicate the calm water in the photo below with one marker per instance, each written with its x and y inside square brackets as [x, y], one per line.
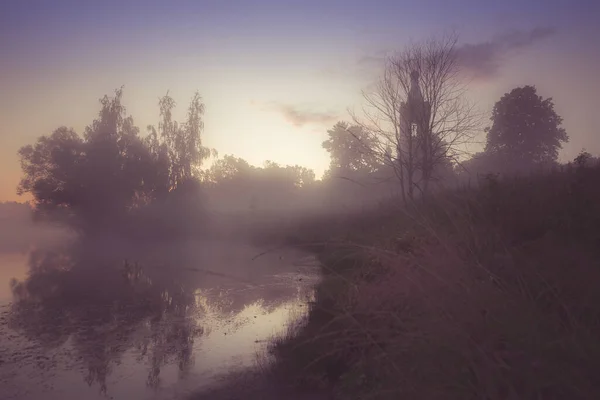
[104, 320]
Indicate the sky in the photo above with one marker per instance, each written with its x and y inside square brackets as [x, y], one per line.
[275, 74]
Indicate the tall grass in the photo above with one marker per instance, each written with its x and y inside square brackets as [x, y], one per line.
[487, 293]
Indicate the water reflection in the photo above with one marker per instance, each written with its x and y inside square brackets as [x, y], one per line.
[154, 307]
[105, 310]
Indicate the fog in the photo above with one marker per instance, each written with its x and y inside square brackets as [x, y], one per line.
[145, 264]
[120, 317]
[19, 232]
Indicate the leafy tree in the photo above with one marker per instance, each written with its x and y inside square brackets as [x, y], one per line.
[181, 144]
[303, 177]
[231, 181]
[97, 180]
[525, 128]
[286, 176]
[586, 159]
[52, 168]
[237, 170]
[350, 149]
[228, 168]
[234, 182]
[115, 163]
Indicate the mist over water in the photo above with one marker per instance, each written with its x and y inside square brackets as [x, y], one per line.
[108, 319]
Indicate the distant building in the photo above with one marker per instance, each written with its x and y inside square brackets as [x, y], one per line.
[415, 114]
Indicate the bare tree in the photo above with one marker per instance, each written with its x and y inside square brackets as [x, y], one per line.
[419, 113]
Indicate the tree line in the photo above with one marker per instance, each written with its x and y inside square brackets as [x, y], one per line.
[417, 126]
[410, 138]
[95, 180]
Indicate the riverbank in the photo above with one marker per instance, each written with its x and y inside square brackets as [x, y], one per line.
[476, 293]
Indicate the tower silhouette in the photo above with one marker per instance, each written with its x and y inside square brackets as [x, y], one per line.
[415, 112]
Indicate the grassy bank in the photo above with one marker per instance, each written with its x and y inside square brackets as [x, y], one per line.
[488, 293]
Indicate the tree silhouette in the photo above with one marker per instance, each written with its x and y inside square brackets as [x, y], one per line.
[98, 181]
[418, 113]
[350, 149]
[525, 128]
[285, 177]
[96, 178]
[235, 182]
[52, 168]
[180, 144]
[229, 168]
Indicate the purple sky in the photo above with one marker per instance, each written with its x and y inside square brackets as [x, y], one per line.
[275, 74]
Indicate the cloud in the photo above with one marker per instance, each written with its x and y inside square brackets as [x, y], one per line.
[373, 60]
[300, 117]
[483, 60]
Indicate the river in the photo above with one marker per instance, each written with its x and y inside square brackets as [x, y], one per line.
[108, 320]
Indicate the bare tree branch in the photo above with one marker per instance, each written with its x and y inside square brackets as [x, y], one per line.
[419, 113]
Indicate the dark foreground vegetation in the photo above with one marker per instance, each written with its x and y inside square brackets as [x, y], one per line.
[487, 293]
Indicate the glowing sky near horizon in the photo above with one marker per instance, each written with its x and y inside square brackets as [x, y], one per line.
[274, 75]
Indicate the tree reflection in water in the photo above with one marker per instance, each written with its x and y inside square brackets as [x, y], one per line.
[104, 308]
[87, 303]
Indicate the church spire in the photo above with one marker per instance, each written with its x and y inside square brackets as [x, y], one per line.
[415, 97]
